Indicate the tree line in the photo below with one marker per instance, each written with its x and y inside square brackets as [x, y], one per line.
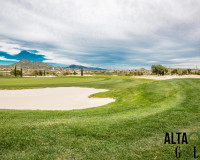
[161, 70]
[19, 72]
[73, 73]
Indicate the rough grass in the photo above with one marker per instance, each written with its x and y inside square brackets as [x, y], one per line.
[133, 127]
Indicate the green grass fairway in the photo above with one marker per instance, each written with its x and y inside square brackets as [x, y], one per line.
[133, 127]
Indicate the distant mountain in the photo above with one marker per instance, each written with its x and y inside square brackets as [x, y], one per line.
[73, 66]
[24, 63]
[31, 59]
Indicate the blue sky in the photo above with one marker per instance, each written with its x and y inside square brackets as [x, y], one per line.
[117, 34]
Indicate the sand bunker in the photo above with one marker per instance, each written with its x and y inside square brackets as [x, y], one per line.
[61, 98]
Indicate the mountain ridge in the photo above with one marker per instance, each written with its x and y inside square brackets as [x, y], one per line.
[27, 64]
[24, 63]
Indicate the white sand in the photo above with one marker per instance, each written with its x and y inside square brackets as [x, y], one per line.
[167, 77]
[61, 98]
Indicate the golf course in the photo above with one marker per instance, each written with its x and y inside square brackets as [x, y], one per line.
[131, 127]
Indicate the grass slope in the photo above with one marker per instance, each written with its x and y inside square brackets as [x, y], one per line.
[133, 127]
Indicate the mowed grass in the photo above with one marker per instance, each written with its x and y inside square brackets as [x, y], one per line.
[133, 127]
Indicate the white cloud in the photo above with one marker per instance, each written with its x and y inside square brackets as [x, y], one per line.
[66, 30]
[190, 59]
[66, 20]
[51, 57]
[5, 59]
[59, 59]
[187, 62]
[9, 48]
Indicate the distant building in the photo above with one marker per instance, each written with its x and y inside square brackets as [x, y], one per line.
[5, 73]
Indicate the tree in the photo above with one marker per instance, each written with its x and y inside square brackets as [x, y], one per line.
[174, 71]
[169, 71]
[66, 73]
[44, 73]
[35, 73]
[158, 69]
[131, 73]
[189, 71]
[74, 73]
[179, 71]
[40, 72]
[21, 73]
[185, 72]
[15, 71]
[81, 71]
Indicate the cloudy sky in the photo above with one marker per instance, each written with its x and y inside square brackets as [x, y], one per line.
[118, 34]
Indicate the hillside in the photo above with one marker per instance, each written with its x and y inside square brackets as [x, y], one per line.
[24, 63]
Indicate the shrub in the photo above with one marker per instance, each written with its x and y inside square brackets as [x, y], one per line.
[158, 69]
[15, 72]
[66, 73]
[75, 73]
